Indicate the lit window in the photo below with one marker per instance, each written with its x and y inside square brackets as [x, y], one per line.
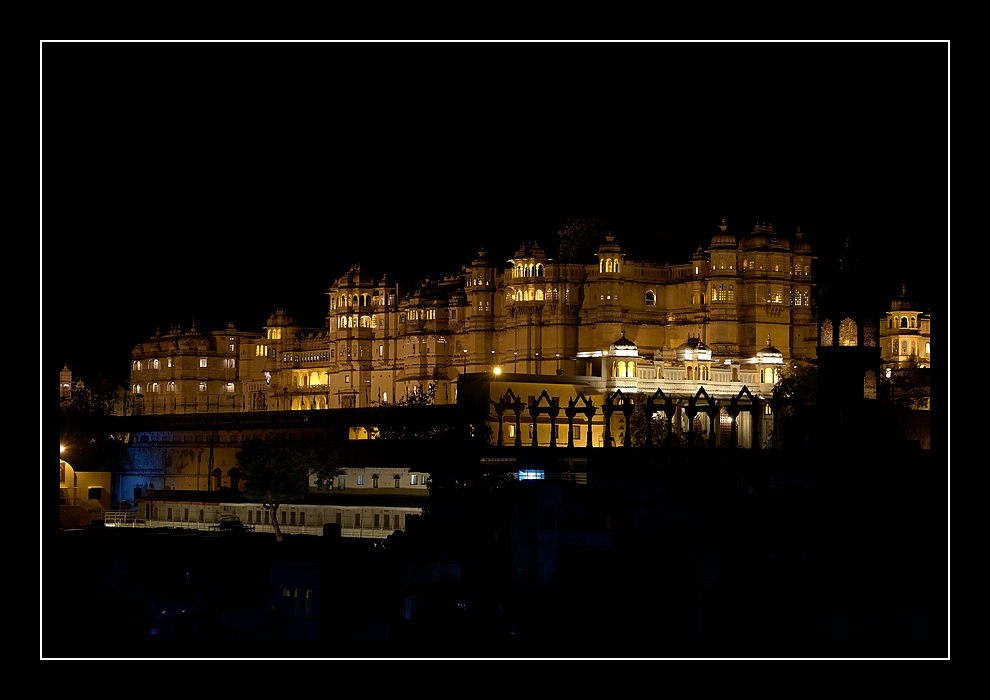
[170, 386]
[202, 386]
[412, 479]
[847, 332]
[231, 347]
[360, 480]
[169, 362]
[229, 362]
[202, 362]
[869, 385]
[154, 387]
[230, 387]
[826, 333]
[528, 474]
[154, 364]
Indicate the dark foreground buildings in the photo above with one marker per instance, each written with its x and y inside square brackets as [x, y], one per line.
[704, 557]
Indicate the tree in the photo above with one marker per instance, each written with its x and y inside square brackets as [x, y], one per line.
[797, 393]
[579, 239]
[907, 387]
[88, 430]
[280, 471]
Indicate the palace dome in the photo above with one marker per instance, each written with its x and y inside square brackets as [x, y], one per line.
[722, 239]
[623, 346]
[759, 237]
[279, 318]
[693, 349]
[770, 354]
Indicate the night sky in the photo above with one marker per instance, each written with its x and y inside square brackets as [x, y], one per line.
[218, 182]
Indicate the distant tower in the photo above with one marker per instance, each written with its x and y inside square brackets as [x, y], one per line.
[848, 354]
[66, 384]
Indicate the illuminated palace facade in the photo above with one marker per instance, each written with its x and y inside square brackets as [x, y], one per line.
[730, 317]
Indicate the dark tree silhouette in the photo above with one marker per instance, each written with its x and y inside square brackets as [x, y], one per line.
[280, 471]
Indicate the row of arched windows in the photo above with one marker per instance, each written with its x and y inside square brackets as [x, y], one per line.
[903, 322]
[623, 368]
[354, 321]
[528, 270]
[537, 294]
[608, 265]
[356, 300]
[848, 333]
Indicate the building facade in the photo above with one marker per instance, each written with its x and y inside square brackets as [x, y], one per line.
[382, 342]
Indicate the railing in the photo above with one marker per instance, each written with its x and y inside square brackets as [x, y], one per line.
[120, 518]
[359, 532]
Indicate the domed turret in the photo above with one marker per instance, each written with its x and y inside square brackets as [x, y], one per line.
[623, 346]
[279, 318]
[759, 237]
[903, 302]
[800, 245]
[693, 349]
[770, 354]
[723, 239]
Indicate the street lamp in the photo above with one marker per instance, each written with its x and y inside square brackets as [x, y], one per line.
[515, 357]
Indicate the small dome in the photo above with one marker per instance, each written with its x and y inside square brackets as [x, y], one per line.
[904, 302]
[723, 239]
[759, 237]
[279, 318]
[800, 245]
[770, 354]
[693, 349]
[623, 346]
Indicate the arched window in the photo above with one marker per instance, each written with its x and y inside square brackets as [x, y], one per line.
[539, 295]
[608, 265]
[539, 270]
[869, 335]
[890, 322]
[847, 332]
[650, 298]
[928, 348]
[869, 385]
[904, 322]
[826, 339]
[911, 322]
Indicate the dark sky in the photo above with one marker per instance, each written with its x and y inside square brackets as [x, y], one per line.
[222, 181]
